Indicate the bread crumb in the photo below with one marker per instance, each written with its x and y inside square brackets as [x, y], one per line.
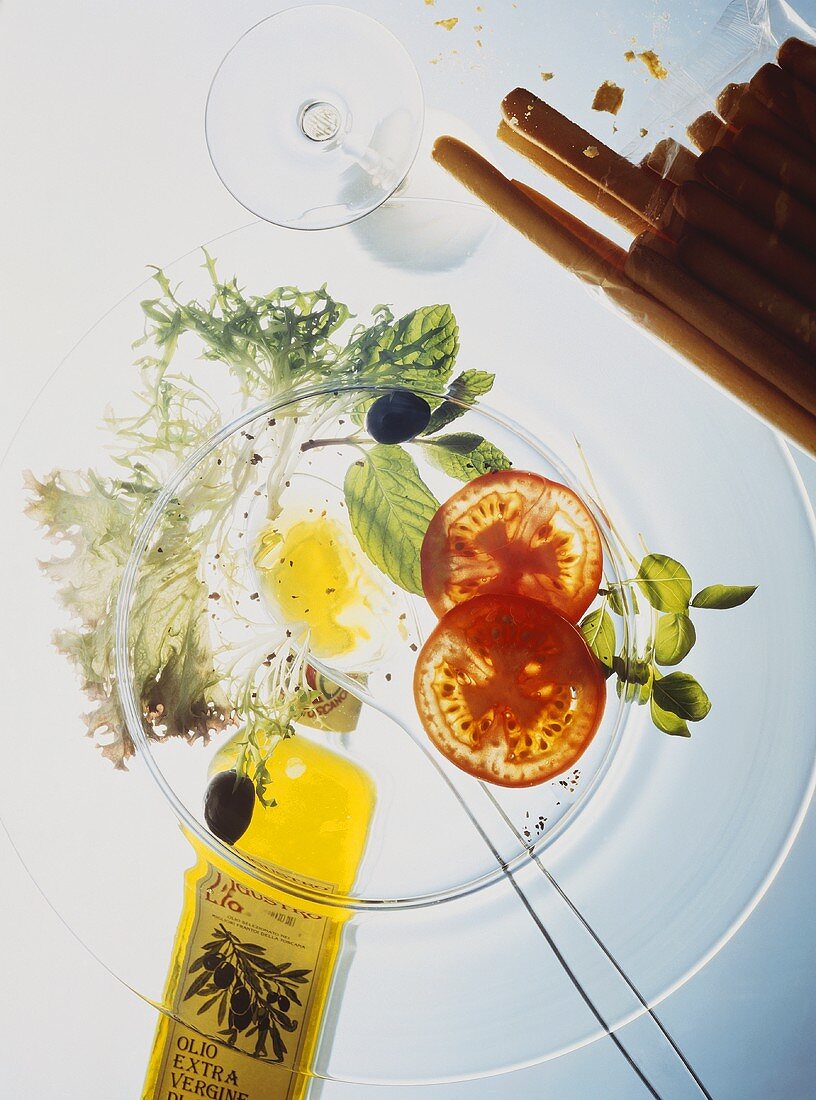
[591, 151]
[447, 24]
[652, 62]
[430, 3]
[643, 131]
[547, 76]
[608, 97]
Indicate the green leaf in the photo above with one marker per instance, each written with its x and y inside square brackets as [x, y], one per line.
[484, 459]
[460, 443]
[665, 721]
[418, 350]
[665, 583]
[635, 675]
[674, 639]
[680, 694]
[197, 985]
[723, 596]
[390, 508]
[466, 388]
[599, 633]
[622, 599]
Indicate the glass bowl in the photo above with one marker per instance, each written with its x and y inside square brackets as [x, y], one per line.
[665, 851]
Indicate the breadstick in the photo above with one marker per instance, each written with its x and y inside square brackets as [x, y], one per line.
[776, 207]
[776, 161]
[510, 202]
[799, 59]
[577, 183]
[709, 211]
[544, 126]
[487, 183]
[740, 107]
[788, 98]
[671, 160]
[729, 98]
[751, 344]
[605, 248]
[706, 131]
[741, 284]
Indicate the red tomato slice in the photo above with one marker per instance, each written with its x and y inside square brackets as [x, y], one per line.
[513, 532]
[508, 690]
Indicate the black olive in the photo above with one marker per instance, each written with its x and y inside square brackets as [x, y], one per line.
[211, 961]
[283, 1003]
[223, 975]
[398, 416]
[228, 805]
[271, 998]
[241, 1020]
[240, 999]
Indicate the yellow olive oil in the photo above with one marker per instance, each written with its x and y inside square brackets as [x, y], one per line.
[252, 966]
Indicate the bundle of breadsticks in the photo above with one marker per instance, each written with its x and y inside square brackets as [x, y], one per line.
[723, 261]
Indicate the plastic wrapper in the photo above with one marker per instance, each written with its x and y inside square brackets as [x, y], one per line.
[716, 200]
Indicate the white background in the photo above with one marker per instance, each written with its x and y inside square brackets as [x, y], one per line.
[103, 167]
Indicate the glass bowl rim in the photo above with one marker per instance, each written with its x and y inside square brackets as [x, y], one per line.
[263, 875]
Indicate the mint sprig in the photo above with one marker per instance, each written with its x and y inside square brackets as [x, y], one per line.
[389, 508]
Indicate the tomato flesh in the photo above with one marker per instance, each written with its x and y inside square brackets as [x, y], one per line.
[513, 532]
[508, 690]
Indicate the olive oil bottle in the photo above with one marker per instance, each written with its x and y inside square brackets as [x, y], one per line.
[253, 967]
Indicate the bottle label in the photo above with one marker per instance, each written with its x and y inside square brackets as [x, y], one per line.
[336, 709]
[253, 980]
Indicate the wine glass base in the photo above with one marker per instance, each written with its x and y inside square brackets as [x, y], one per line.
[314, 117]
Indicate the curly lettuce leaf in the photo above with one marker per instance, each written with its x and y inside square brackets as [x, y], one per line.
[92, 522]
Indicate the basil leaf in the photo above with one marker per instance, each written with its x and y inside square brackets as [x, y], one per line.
[484, 459]
[635, 676]
[460, 443]
[674, 639]
[723, 596]
[622, 598]
[680, 694]
[469, 385]
[390, 508]
[665, 583]
[599, 634]
[665, 721]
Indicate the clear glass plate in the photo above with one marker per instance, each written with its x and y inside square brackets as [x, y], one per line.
[679, 838]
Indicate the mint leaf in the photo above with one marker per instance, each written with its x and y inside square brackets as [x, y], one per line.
[460, 443]
[681, 695]
[418, 350]
[674, 639]
[390, 508]
[665, 583]
[466, 388]
[599, 634]
[723, 596]
[484, 459]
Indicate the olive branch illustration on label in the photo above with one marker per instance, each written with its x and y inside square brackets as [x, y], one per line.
[253, 995]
